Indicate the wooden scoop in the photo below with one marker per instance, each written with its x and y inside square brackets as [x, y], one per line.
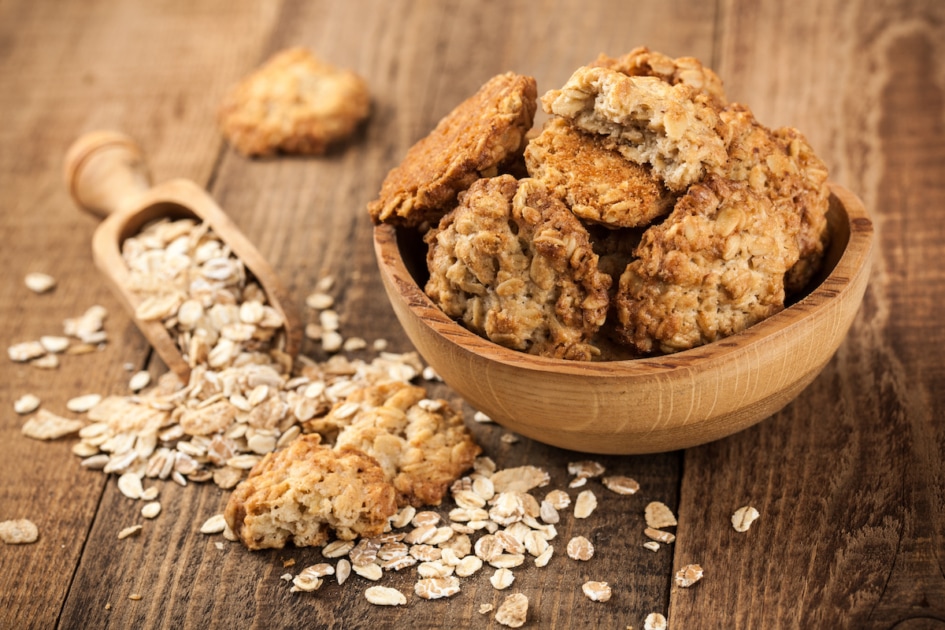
[107, 176]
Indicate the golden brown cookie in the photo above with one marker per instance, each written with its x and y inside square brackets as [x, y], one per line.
[516, 266]
[422, 445]
[781, 165]
[647, 120]
[477, 139]
[596, 182]
[642, 61]
[304, 492]
[713, 268]
[294, 104]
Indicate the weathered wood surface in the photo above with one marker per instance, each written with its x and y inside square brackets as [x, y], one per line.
[849, 478]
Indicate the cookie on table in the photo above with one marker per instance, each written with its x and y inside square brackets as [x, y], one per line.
[482, 136]
[596, 182]
[514, 265]
[306, 491]
[293, 104]
[422, 445]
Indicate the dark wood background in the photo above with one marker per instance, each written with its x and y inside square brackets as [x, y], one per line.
[849, 478]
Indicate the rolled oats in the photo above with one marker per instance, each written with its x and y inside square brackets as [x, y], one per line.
[342, 571]
[544, 557]
[502, 579]
[597, 591]
[371, 572]
[621, 485]
[513, 612]
[436, 588]
[688, 575]
[580, 548]
[558, 499]
[743, 518]
[25, 351]
[129, 484]
[585, 504]
[18, 531]
[468, 566]
[45, 425]
[151, 510]
[479, 416]
[654, 621]
[134, 530]
[384, 596]
[659, 515]
[213, 525]
[27, 403]
[434, 569]
[659, 535]
[54, 344]
[485, 608]
[652, 545]
[39, 282]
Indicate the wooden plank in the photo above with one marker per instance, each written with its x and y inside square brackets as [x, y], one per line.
[65, 69]
[848, 478]
[307, 216]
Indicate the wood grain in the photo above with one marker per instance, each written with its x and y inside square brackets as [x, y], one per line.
[851, 532]
[849, 478]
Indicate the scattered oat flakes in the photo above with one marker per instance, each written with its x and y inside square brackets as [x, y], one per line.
[54, 344]
[659, 515]
[481, 418]
[502, 579]
[519, 479]
[371, 571]
[659, 535]
[620, 484]
[558, 499]
[46, 362]
[744, 517]
[129, 484]
[513, 612]
[135, 597]
[25, 351]
[46, 425]
[134, 530]
[319, 301]
[354, 343]
[509, 438]
[436, 588]
[342, 571]
[27, 403]
[82, 404]
[151, 510]
[213, 525]
[385, 596]
[652, 545]
[580, 548]
[39, 282]
[654, 621]
[19, 531]
[597, 591]
[485, 608]
[585, 504]
[688, 575]
[139, 381]
[332, 341]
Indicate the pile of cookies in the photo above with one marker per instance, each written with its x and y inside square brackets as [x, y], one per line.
[649, 215]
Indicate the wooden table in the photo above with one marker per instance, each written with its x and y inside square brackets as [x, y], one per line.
[849, 478]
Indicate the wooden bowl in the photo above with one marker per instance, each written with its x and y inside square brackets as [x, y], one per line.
[644, 405]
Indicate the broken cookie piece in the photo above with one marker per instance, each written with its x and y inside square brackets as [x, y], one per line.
[596, 182]
[422, 445]
[513, 264]
[479, 138]
[294, 104]
[304, 492]
[647, 120]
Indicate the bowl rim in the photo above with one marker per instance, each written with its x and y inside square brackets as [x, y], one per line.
[853, 260]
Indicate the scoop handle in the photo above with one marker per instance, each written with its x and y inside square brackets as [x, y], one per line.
[104, 170]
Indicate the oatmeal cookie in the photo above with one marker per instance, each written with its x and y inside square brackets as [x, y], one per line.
[421, 445]
[781, 165]
[479, 138]
[714, 267]
[516, 266]
[642, 61]
[647, 120]
[303, 492]
[293, 104]
[596, 182]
